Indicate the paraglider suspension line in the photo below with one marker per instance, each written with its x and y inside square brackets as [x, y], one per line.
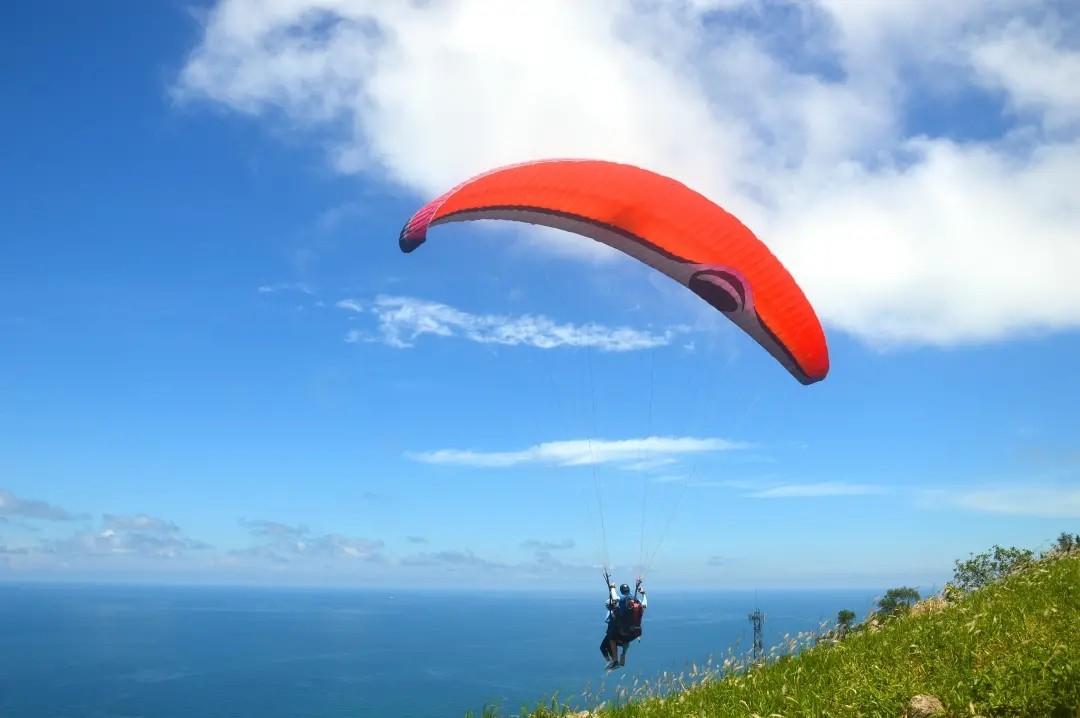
[592, 454]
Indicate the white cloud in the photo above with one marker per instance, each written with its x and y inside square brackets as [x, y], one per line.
[582, 452]
[538, 545]
[138, 535]
[452, 560]
[284, 544]
[669, 479]
[1048, 501]
[651, 464]
[897, 237]
[402, 320]
[951, 254]
[139, 523]
[542, 565]
[1035, 68]
[818, 489]
[286, 287]
[274, 530]
[12, 505]
[333, 218]
[351, 304]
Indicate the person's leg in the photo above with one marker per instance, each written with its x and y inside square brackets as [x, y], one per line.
[625, 648]
[605, 648]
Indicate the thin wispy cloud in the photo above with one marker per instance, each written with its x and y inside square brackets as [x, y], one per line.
[549, 564]
[282, 543]
[653, 464]
[300, 287]
[1046, 501]
[800, 117]
[744, 485]
[581, 452]
[15, 506]
[401, 321]
[353, 305]
[452, 560]
[543, 564]
[332, 219]
[774, 487]
[670, 478]
[273, 529]
[537, 545]
[817, 489]
[546, 564]
[1050, 501]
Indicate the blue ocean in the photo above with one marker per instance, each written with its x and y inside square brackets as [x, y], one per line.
[184, 652]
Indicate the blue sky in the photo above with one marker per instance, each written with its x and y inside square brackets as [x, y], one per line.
[217, 366]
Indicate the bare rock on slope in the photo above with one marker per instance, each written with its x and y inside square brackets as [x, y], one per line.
[924, 707]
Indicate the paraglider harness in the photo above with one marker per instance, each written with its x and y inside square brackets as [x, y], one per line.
[628, 619]
[626, 614]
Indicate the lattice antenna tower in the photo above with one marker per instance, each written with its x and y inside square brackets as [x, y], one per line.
[757, 618]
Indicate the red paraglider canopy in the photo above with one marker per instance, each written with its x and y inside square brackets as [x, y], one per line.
[662, 223]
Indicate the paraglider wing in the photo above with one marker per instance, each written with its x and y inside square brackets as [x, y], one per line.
[660, 222]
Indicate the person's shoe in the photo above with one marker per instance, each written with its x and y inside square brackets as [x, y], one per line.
[613, 665]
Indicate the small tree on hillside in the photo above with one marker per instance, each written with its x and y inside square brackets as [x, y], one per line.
[897, 600]
[989, 566]
[1067, 543]
[843, 622]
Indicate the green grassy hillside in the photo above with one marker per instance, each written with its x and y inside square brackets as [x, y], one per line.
[1011, 648]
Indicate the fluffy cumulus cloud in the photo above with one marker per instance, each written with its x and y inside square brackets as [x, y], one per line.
[138, 536]
[630, 453]
[117, 535]
[812, 121]
[402, 320]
